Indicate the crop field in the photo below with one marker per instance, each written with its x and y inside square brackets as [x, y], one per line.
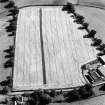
[49, 50]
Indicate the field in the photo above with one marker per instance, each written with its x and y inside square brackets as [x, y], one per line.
[58, 61]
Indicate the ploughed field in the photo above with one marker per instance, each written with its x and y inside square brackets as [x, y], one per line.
[49, 50]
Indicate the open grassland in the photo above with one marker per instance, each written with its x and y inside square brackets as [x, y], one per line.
[60, 57]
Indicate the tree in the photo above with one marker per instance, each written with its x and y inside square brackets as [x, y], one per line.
[3, 1]
[5, 82]
[10, 4]
[10, 28]
[53, 93]
[72, 96]
[101, 47]
[13, 23]
[102, 88]
[12, 34]
[79, 19]
[13, 20]
[85, 26]
[44, 99]
[101, 53]
[10, 55]
[7, 65]
[90, 35]
[69, 7]
[4, 90]
[12, 14]
[10, 60]
[96, 42]
[3, 103]
[10, 49]
[85, 93]
[83, 67]
[30, 102]
[88, 86]
[39, 97]
[14, 11]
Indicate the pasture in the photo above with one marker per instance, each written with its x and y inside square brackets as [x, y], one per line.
[49, 50]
